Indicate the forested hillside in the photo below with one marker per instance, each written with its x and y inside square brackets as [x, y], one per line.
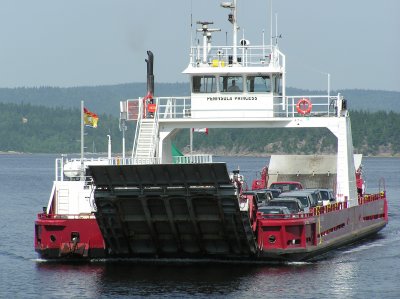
[39, 129]
[105, 99]
[374, 133]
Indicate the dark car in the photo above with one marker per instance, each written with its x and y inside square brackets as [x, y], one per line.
[326, 196]
[305, 198]
[274, 212]
[275, 192]
[293, 204]
[264, 196]
[315, 195]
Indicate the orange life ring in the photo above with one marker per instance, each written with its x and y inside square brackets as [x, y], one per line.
[304, 106]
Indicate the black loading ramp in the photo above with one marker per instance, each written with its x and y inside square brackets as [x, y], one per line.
[171, 210]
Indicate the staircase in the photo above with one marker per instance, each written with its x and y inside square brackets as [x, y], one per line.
[146, 140]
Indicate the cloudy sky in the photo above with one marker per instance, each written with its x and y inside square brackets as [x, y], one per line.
[95, 42]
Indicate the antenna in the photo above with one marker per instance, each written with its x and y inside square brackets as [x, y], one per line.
[191, 31]
[206, 36]
[263, 44]
[329, 86]
[276, 30]
[191, 23]
[232, 17]
[271, 20]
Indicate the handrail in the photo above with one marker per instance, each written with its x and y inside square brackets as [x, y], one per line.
[371, 197]
[319, 210]
[293, 216]
[147, 160]
[254, 56]
[155, 130]
[382, 185]
[143, 114]
[286, 107]
[138, 124]
[75, 169]
[189, 159]
[66, 216]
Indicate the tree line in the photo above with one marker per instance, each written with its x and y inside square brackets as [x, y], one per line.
[39, 129]
[105, 98]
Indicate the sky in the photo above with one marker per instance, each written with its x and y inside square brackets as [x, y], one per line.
[68, 43]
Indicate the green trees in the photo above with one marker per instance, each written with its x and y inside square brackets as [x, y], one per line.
[39, 129]
[373, 133]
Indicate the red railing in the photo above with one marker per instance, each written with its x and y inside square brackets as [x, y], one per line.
[64, 217]
[371, 197]
[325, 209]
[265, 216]
[328, 208]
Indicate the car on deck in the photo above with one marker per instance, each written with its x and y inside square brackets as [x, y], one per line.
[264, 196]
[293, 204]
[286, 186]
[275, 192]
[326, 196]
[305, 198]
[269, 212]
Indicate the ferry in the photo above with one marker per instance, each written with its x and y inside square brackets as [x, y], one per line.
[153, 205]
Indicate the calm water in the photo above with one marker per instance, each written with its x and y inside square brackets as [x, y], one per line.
[369, 270]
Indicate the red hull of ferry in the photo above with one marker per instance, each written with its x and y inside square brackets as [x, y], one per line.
[324, 229]
[293, 239]
[59, 238]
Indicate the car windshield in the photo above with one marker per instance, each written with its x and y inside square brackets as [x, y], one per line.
[292, 206]
[275, 193]
[262, 196]
[324, 194]
[304, 200]
[271, 211]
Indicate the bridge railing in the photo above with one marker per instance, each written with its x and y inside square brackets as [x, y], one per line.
[70, 169]
[290, 107]
[248, 56]
[189, 159]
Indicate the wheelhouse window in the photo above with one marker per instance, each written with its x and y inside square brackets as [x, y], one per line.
[230, 84]
[277, 82]
[204, 84]
[258, 83]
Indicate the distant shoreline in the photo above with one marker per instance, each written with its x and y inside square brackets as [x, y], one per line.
[11, 153]
[255, 155]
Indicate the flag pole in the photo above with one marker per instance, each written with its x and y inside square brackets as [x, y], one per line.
[82, 141]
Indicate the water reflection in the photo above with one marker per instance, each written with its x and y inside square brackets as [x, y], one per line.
[125, 278]
[68, 280]
[132, 279]
[336, 275]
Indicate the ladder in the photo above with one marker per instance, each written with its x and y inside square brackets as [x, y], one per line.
[146, 140]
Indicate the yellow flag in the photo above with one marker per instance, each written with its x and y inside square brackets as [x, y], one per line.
[90, 119]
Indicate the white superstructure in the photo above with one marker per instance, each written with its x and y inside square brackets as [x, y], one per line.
[72, 192]
[242, 86]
